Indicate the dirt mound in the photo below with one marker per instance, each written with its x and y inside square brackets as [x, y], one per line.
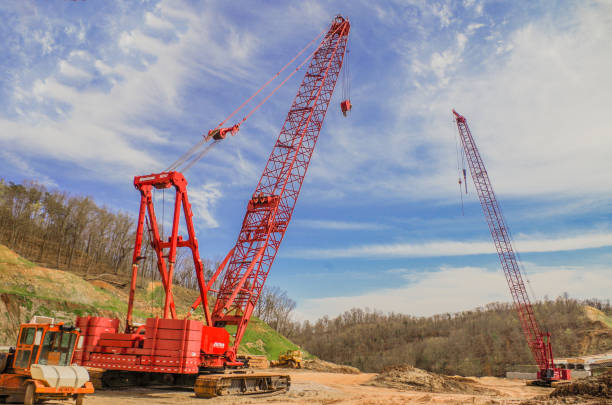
[327, 367]
[599, 386]
[415, 379]
[591, 390]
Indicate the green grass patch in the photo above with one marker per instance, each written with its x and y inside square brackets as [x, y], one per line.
[261, 339]
[607, 319]
[17, 290]
[25, 262]
[51, 293]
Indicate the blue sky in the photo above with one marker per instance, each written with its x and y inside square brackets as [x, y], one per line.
[94, 93]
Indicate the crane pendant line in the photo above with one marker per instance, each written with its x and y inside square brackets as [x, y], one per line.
[538, 342]
[269, 210]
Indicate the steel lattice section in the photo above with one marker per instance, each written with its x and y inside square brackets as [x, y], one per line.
[503, 246]
[270, 210]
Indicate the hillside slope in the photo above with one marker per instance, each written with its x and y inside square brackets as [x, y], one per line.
[485, 341]
[27, 289]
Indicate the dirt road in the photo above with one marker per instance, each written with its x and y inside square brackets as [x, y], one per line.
[310, 387]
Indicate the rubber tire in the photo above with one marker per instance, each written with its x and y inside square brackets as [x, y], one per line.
[80, 399]
[29, 397]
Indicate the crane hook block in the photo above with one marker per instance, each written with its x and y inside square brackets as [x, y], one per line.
[346, 106]
[220, 133]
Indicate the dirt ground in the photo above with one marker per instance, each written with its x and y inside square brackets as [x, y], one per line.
[310, 387]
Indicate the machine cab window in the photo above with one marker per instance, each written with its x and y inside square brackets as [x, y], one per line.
[57, 348]
[27, 347]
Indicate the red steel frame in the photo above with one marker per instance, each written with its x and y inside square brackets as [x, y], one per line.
[268, 211]
[538, 342]
[145, 185]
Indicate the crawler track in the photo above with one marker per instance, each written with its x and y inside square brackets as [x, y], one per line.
[214, 385]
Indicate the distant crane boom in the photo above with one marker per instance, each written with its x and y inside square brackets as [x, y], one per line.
[538, 342]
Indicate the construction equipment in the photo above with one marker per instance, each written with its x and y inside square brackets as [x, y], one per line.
[254, 360]
[184, 351]
[290, 359]
[538, 341]
[39, 367]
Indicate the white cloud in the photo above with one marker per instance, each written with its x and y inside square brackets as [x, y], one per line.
[454, 289]
[443, 12]
[523, 244]
[203, 200]
[339, 225]
[26, 169]
[109, 128]
[73, 72]
[539, 113]
[46, 41]
[471, 28]
[158, 23]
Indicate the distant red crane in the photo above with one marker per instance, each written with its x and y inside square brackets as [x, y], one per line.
[538, 341]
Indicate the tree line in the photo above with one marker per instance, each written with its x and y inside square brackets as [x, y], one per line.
[57, 230]
[62, 231]
[484, 341]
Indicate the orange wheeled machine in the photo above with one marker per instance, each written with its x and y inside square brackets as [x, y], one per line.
[39, 367]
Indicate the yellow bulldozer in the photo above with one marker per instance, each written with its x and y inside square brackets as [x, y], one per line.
[290, 359]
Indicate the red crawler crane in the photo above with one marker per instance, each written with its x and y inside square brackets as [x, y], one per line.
[538, 341]
[135, 355]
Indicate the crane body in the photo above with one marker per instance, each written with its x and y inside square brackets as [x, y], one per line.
[180, 351]
[539, 342]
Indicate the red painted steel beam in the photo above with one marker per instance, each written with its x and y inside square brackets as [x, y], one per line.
[269, 211]
[166, 249]
[538, 342]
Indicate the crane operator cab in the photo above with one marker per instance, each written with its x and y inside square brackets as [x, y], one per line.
[39, 367]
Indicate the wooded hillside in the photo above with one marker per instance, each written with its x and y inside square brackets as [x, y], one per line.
[486, 341]
[62, 231]
[73, 233]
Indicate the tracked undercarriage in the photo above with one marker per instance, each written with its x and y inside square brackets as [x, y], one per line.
[240, 383]
[205, 385]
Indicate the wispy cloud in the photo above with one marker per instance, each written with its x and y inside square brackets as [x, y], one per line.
[538, 111]
[203, 200]
[25, 168]
[524, 244]
[68, 116]
[452, 289]
[340, 225]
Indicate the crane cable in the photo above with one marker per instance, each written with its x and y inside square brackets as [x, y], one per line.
[192, 154]
[458, 166]
[346, 83]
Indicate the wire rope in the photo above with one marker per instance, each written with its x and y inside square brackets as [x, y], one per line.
[191, 152]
